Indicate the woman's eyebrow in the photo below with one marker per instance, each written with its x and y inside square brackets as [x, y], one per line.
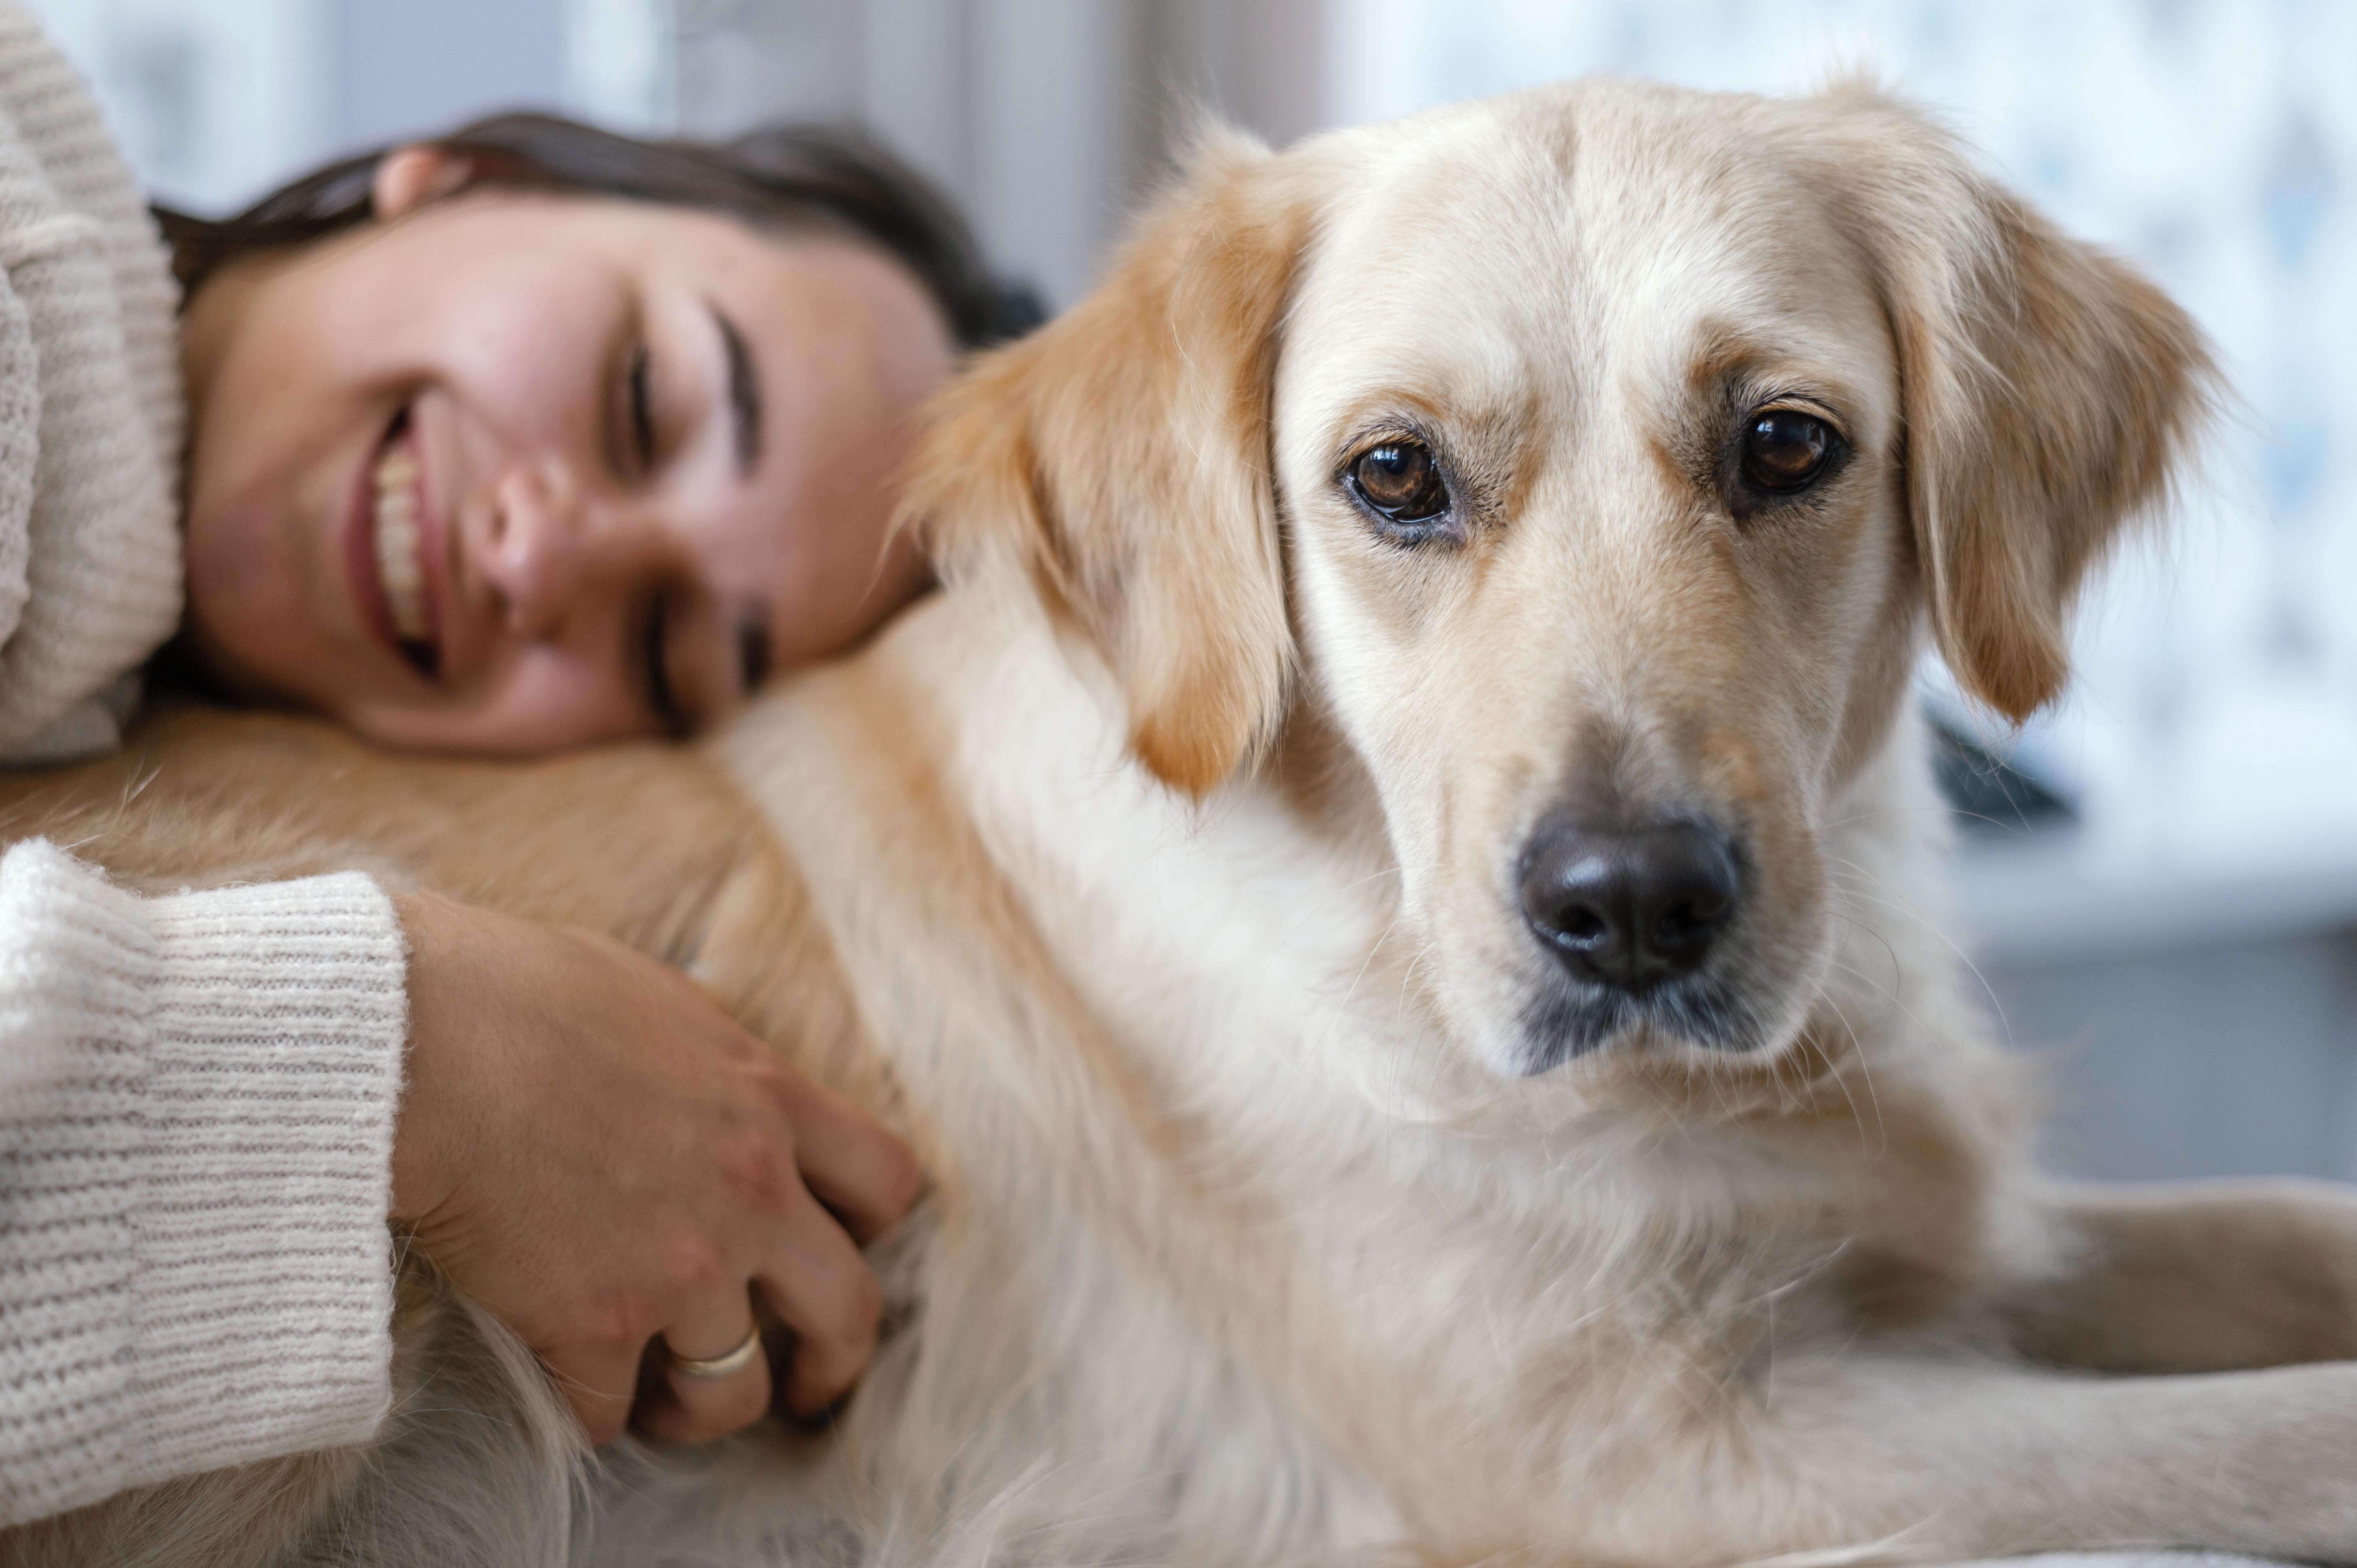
[744, 391]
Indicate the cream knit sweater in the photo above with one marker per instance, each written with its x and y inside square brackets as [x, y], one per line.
[196, 1092]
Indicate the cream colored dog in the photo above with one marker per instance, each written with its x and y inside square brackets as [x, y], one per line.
[1396, 894]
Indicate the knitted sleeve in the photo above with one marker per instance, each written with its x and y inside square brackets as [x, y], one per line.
[90, 544]
[197, 1096]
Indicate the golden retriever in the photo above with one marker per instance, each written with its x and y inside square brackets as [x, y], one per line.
[1396, 894]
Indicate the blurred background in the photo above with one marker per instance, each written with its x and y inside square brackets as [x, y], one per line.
[2163, 899]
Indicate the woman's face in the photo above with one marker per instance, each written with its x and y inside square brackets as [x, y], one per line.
[509, 472]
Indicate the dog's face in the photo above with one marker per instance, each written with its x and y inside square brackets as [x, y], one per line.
[1587, 460]
[1595, 537]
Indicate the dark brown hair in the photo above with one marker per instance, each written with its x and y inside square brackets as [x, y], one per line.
[779, 177]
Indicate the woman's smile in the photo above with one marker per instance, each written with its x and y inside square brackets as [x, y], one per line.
[398, 572]
[395, 530]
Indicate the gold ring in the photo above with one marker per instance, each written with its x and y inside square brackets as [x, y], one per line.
[735, 1361]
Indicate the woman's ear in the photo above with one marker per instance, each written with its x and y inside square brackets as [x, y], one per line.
[1117, 462]
[408, 177]
[2050, 394]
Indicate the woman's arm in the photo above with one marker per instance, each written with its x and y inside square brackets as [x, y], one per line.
[200, 1150]
[197, 1099]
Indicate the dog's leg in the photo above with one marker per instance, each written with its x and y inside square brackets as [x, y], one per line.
[1922, 1458]
[2194, 1277]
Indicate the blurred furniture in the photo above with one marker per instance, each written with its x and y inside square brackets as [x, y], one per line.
[1049, 119]
[2195, 1005]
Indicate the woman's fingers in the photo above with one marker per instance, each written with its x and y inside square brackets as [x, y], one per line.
[854, 1164]
[823, 1290]
[716, 1378]
[591, 1147]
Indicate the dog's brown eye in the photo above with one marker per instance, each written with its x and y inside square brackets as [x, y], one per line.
[1401, 481]
[1785, 450]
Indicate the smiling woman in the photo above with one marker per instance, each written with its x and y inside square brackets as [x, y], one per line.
[524, 438]
[517, 461]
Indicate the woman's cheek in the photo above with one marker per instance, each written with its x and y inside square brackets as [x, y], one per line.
[240, 598]
[527, 349]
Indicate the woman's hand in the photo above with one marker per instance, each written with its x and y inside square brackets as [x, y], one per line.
[597, 1153]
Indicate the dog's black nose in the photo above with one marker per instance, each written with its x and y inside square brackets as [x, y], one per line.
[1628, 908]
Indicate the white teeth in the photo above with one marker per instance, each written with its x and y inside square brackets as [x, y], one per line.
[397, 544]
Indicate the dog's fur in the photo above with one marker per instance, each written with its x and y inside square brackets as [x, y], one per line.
[1290, 1202]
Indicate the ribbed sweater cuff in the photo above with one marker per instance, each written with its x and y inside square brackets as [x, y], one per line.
[265, 1278]
[194, 1265]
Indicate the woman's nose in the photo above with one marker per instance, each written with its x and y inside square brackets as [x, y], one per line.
[533, 547]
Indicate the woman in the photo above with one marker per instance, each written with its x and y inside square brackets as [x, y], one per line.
[525, 439]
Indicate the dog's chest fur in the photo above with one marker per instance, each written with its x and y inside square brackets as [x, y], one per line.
[1208, 1210]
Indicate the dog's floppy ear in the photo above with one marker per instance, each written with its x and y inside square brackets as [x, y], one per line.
[2049, 393]
[1119, 459]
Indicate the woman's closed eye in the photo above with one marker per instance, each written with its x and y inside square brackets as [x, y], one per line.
[654, 622]
[642, 409]
[636, 436]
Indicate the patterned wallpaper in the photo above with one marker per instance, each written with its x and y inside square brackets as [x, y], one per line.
[2212, 141]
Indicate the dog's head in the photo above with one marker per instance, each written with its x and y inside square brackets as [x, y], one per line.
[1587, 460]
